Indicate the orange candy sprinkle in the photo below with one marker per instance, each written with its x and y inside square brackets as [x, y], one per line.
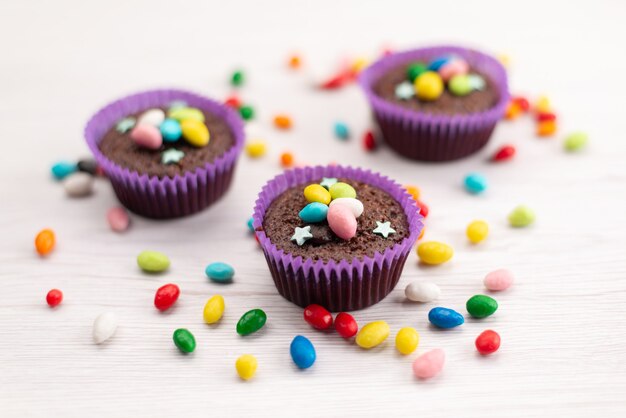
[422, 233]
[282, 121]
[546, 128]
[44, 241]
[413, 191]
[295, 62]
[513, 110]
[286, 159]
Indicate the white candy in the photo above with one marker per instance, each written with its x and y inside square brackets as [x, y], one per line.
[422, 292]
[152, 117]
[78, 184]
[355, 205]
[104, 327]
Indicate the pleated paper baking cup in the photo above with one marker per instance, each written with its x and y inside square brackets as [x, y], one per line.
[166, 197]
[344, 285]
[428, 137]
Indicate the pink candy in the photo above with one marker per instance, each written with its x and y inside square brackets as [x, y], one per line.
[118, 219]
[146, 136]
[454, 67]
[498, 280]
[429, 364]
[342, 221]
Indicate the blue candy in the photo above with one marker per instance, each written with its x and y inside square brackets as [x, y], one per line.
[250, 224]
[171, 130]
[302, 352]
[438, 62]
[475, 183]
[314, 212]
[219, 272]
[63, 169]
[445, 318]
[341, 130]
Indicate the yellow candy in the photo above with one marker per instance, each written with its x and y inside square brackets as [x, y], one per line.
[214, 309]
[428, 86]
[505, 60]
[246, 366]
[316, 193]
[372, 334]
[183, 113]
[256, 148]
[413, 191]
[477, 231]
[407, 340]
[195, 132]
[542, 105]
[433, 252]
[359, 64]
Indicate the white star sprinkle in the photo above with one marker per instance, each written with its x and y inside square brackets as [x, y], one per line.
[125, 125]
[302, 234]
[384, 229]
[172, 156]
[405, 90]
[327, 182]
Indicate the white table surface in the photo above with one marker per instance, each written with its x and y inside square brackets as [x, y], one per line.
[562, 324]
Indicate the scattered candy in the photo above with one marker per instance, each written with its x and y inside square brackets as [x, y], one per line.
[372, 334]
[433, 252]
[63, 169]
[341, 130]
[246, 366]
[89, 166]
[546, 128]
[369, 142]
[445, 318]
[415, 70]
[214, 309]
[327, 182]
[341, 221]
[250, 224]
[118, 219]
[45, 241]
[152, 117]
[521, 217]
[153, 261]
[318, 317]
[256, 148]
[171, 130]
[286, 159]
[301, 235]
[104, 327]
[355, 205]
[453, 69]
[429, 364]
[498, 280]
[302, 352]
[575, 141]
[460, 85]
[407, 340]
[166, 296]
[317, 193]
[78, 184]
[172, 156]
[246, 112]
[422, 292]
[251, 321]
[282, 121]
[439, 62]
[513, 110]
[414, 191]
[233, 101]
[237, 78]
[477, 82]
[146, 136]
[295, 62]
[383, 229]
[54, 297]
[542, 104]
[184, 340]
[220, 272]
[125, 125]
[340, 189]
[405, 90]
[522, 103]
[487, 342]
[477, 231]
[475, 183]
[505, 153]
[181, 114]
[195, 132]
[481, 306]
[314, 212]
[423, 208]
[428, 86]
[346, 325]
[546, 116]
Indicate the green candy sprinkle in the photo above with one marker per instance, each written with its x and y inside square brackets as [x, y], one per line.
[341, 189]
[153, 261]
[246, 112]
[460, 85]
[184, 340]
[415, 70]
[481, 306]
[251, 321]
[237, 78]
[575, 141]
[521, 216]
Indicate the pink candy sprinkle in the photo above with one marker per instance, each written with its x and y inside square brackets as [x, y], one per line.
[146, 136]
[454, 67]
[118, 219]
[341, 221]
[429, 364]
[498, 280]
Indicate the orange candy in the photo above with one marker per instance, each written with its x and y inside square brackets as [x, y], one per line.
[513, 110]
[413, 191]
[44, 241]
[546, 128]
[282, 121]
[422, 233]
[295, 62]
[286, 159]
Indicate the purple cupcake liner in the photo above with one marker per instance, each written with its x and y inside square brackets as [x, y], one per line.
[344, 285]
[166, 197]
[428, 137]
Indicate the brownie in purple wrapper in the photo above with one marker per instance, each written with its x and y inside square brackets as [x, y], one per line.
[309, 255]
[168, 153]
[438, 103]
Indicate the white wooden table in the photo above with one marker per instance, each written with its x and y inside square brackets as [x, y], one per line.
[562, 324]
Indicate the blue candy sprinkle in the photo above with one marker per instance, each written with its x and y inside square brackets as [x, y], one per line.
[250, 224]
[341, 130]
[219, 272]
[63, 169]
[438, 62]
[171, 130]
[445, 318]
[314, 212]
[302, 352]
[475, 183]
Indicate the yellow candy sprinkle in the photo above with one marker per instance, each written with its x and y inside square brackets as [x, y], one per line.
[214, 309]
[256, 148]
[246, 366]
[195, 132]
[477, 231]
[414, 191]
[428, 86]
[542, 105]
[407, 340]
[316, 193]
[433, 252]
[359, 64]
[372, 334]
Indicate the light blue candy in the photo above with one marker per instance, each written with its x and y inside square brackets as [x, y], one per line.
[63, 169]
[302, 352]
[341, 130]
[171, 130]
[219, 272]
[445, 318]
[475, 183]
[314, 212]
[438, 62]
[250, 224]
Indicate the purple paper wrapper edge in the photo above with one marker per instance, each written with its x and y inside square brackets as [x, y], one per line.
[428, 137]
[344, 285]
[167, 197]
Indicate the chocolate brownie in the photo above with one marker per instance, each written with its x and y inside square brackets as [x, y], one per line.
[119, 148]
[282, 217]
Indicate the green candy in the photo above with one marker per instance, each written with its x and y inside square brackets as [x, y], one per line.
[251, 321]
[153, 261]
[460, 85]
[575, 141]
[481, 306]
[415, 70]
[521, 216]
[182, 113]
[246, 112]
[340, 189]
[237, 78]
[184, 340]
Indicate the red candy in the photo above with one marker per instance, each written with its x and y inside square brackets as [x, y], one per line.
[54, 297]
[345, 325]
[522, 102]
[369, 142]
[505, 153]
[423, 208]
[544, 116]
[488, 342]
[166, 296]
[318, 317]
[233, 101]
